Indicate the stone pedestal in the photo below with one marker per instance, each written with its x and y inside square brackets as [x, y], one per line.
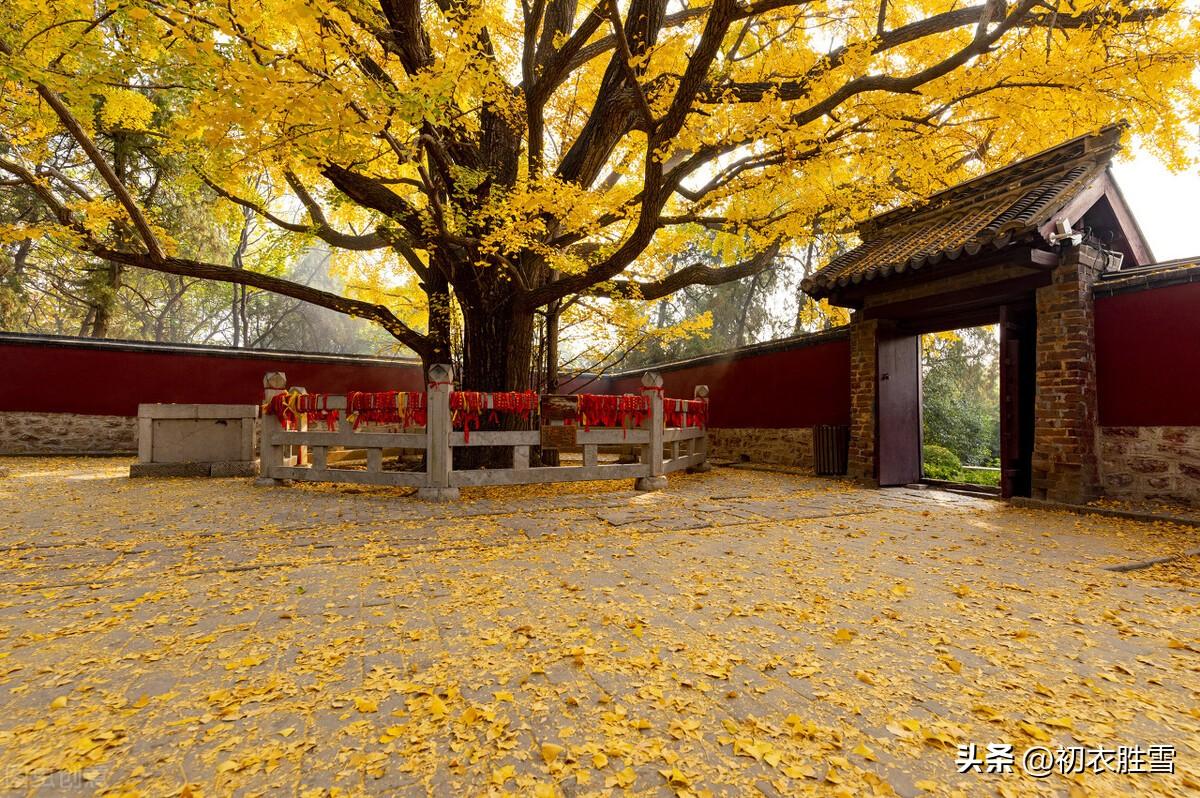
[650, 483]
[179, 440]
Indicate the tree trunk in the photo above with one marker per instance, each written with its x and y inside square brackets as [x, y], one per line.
[437, 296]
[552, 347]
[497, 356]
[497, 348]
[107, 285]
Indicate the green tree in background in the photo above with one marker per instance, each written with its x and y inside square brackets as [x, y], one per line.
[961, 403]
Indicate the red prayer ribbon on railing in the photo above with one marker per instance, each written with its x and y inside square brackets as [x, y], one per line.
[315, 406]
[685, 412]
[603, 410]
[290, 406]
[466, 407]
[407, 408]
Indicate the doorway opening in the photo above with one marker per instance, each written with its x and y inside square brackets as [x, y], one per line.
[961, 408]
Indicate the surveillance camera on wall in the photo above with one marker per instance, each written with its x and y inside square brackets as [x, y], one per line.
[1064, 234]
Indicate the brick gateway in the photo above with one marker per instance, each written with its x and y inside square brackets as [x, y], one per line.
[1021, 247]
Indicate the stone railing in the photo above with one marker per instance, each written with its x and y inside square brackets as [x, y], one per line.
[303, 453]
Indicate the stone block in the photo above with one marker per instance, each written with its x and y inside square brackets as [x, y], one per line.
[195, 440]
[1148, 465]
[233, 468]
[227, 411]
[201, 440]
[1189, 471]
[1117, 481]
[169, 470]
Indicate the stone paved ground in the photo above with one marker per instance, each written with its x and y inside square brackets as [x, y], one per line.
[742, 633]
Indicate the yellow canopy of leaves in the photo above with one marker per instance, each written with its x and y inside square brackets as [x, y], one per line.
[477, 130]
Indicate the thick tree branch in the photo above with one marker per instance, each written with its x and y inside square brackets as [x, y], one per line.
[318, 227]
[906, 34]
[99, 162]
[276, 285]
[371, 193]
[211, 271]
[696, 274]
[625, 58]
[408, 33]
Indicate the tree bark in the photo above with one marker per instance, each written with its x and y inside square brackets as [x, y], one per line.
[497, 347]
[497, 356]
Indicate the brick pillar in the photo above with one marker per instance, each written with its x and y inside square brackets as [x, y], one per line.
[1065, 412]
[863, 383]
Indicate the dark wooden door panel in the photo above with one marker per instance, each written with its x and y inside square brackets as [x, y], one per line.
[899, 409]
[1018, 340]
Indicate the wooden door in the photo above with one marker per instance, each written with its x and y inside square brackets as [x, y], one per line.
[1017, 390]
[899, 415]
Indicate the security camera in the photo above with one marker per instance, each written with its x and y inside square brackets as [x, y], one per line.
[1064, 233]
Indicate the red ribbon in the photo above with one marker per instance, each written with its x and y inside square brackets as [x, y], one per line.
[603, 410]
[685, 412]
[466, 407]
[289, 406]
[407, 408]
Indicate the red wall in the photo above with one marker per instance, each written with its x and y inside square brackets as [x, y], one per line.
[112, 379]
[788, 384]
[1148, 357]
[796, 385]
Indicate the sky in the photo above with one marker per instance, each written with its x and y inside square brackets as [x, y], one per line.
[1166, 205]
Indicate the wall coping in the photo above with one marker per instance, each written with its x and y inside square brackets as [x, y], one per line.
[766, 347]
[204, 350]
[1156, 275]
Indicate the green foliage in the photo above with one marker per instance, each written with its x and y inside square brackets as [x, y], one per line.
[961, 394]
[989, 478]
[938, 462]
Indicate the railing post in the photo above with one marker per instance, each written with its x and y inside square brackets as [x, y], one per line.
[701, 393]
[652, 452]
[270, 455]
[439, 455]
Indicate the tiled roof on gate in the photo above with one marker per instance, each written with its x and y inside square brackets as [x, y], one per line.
[1154, 275]
[993, 210]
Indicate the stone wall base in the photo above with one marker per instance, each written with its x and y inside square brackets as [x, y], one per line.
[223, 468]
[66, 433]
[1151, 463]
[791, 446]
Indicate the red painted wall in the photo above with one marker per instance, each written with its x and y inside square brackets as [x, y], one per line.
[1148, 357]
[792, 386]
[63, 377]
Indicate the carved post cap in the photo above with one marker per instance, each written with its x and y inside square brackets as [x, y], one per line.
[275, 379]
[652, 379]
[441, 372]
[701, 392]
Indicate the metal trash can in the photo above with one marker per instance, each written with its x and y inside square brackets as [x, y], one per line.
[831, 445]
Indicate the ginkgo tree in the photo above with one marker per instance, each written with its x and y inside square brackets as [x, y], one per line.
[511, 158]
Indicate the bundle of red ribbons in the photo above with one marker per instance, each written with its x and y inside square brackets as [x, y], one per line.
[466, 407]
[602, 410]
[289, 406]
[406, 408]
[685, 413]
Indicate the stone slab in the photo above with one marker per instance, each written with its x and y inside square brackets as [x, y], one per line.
[234, 468]
[197, 411]
[170, 470]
